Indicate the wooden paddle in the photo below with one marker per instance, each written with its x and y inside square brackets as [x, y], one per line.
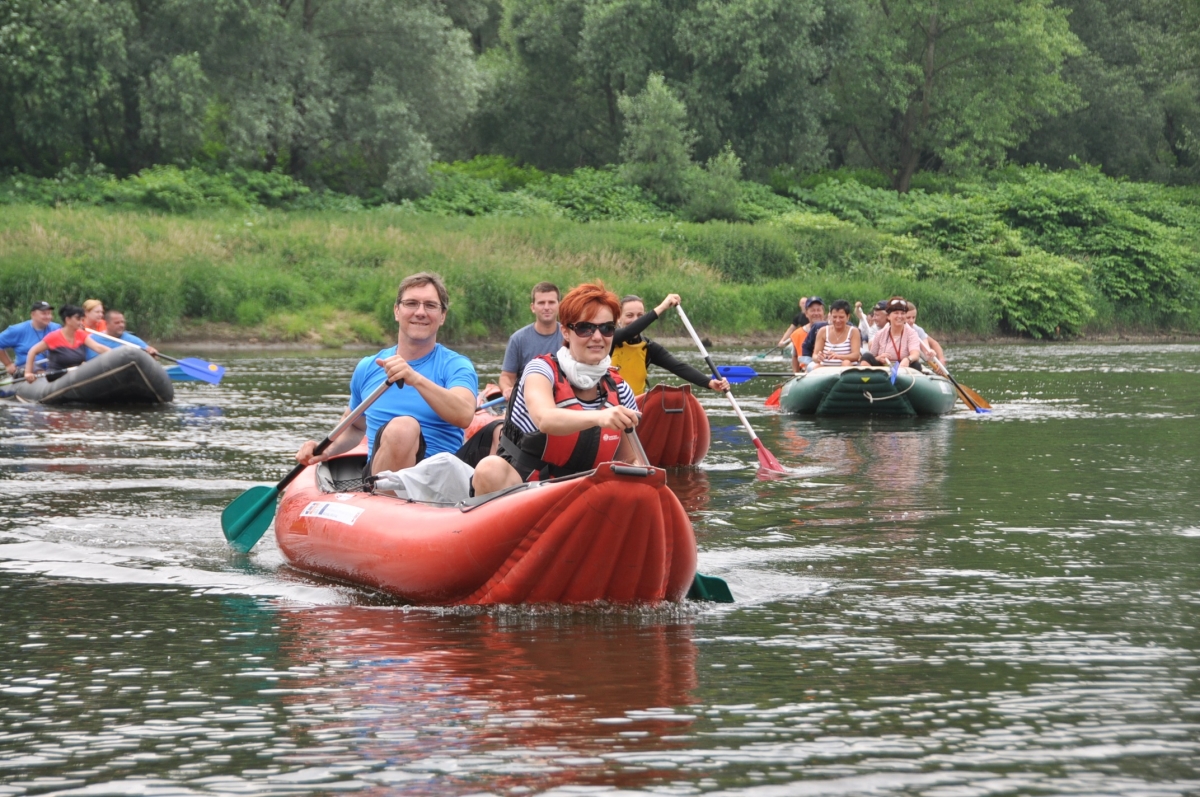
[969, 396]
[766, 459]
[192, 366]
[251, 513]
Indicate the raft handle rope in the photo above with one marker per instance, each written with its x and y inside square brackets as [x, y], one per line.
[871, 399]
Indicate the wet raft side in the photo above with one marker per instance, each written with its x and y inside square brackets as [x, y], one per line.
[615, 534]
[674, 428]
[125, 375]
[867, 391]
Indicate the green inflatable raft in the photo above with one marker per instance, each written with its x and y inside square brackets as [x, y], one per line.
[867, 390]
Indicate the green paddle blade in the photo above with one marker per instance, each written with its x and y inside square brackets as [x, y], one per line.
[249, 516]
[709, 588]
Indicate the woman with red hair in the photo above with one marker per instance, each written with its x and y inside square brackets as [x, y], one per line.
[570, 410]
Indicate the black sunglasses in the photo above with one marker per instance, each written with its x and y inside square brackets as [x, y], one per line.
[585, 329]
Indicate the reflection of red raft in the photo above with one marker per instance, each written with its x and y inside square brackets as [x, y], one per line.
[674, 429]
[616, 534]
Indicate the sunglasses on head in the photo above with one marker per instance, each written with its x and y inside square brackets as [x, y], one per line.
[585, 329]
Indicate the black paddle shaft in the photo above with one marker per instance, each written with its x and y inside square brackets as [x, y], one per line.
[341, 427]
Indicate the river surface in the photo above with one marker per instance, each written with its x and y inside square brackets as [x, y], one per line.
[971, 605]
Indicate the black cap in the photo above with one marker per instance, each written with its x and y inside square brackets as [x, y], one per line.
[40, 306]
[813, 300]
[881, 304]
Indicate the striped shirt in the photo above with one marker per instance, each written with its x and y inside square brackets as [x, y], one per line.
[520, 413]
[833, 353]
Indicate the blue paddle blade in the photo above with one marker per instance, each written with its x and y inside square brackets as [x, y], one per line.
[736, 374]
[199, 369]
[892, 374]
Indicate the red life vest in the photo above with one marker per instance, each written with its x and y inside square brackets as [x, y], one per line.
[540, 456]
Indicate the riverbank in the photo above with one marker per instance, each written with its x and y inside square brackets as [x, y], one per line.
[327, 278]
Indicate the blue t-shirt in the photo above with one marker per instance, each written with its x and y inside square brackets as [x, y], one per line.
[129, 336]
[443, 367]
[22, 337]
[527, 343]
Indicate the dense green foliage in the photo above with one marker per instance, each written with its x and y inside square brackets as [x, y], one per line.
[878, 140]
[1035, 252]
[362, 95]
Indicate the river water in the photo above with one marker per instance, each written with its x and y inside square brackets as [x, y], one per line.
[970, 605]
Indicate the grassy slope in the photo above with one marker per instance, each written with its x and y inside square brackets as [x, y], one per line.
[329, 277]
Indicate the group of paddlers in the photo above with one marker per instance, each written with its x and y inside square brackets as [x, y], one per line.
[42, 347]
[570, 379]
[888, 335]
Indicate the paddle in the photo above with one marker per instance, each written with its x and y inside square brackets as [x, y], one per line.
[773, 399]
[766, 459]
[491, 403]
[192, 366]
[704, 588]
[245, 520]
[969, 397]
[764, 355]
[895, 369]
[737, 374]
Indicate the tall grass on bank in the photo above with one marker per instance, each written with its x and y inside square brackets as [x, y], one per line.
[289, 276]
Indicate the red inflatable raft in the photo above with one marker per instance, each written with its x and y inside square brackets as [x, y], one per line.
[613, 534]
[674, 429]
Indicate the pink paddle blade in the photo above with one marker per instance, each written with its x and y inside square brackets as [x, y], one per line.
[766, 460]
[773, 399]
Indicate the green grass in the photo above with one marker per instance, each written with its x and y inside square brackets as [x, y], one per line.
[329, 277]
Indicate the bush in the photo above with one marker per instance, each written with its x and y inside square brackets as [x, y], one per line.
[656, 152]
[739, 253]
[502, 171]
[596, 195]
[1040, 294]
[715, 191]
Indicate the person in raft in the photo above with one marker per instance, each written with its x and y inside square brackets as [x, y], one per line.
[540, 337]
[838, 343]
[633, 353]
[64, 347]
[570, 409]
[23, 336]
[898, 342]
[804, 339]
[114, 320]
[437, 401]
[800, 319]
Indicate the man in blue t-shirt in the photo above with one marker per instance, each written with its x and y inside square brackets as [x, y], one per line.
[114, 321]
[24, 336]
[541, 337]
[428, 414]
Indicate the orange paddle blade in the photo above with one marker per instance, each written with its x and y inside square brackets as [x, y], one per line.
[773, 399]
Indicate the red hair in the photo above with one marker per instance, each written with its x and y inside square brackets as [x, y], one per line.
[582, 302]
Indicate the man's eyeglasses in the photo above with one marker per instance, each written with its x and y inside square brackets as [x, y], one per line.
[412, 305]
[585, 329]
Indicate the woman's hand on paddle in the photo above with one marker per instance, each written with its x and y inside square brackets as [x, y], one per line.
[720, 385]
[305, 455]
[618, 418]
[666, 304]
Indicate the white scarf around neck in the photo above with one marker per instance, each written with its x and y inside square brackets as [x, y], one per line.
[581, 375]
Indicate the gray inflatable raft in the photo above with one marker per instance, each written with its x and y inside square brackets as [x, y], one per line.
[125, 375]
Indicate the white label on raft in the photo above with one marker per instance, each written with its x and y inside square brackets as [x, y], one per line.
[945, 386]
[339, 513]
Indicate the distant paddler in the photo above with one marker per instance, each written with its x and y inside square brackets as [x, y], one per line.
[23, 336]
[64, 347]
[115, 321]
[633, 353]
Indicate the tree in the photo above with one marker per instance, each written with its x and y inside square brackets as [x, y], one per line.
[950, 83]
[657, 150]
